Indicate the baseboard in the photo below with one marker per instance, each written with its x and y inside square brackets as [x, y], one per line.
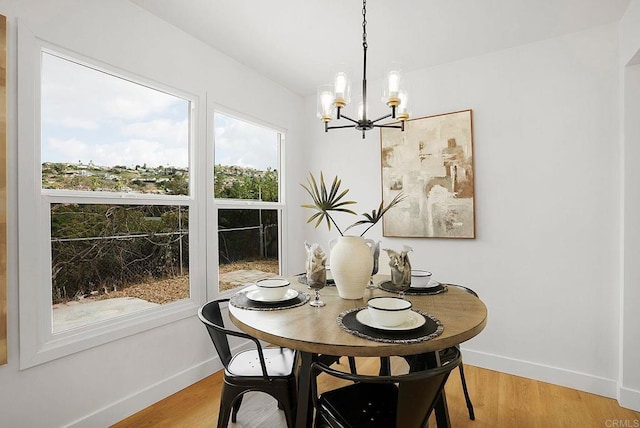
[557, 376]
[629, 398]
[133, 403]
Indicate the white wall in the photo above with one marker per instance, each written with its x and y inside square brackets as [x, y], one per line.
[629, 395]
[545, 260]
[104, 384]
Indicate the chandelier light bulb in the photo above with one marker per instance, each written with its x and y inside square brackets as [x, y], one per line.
[325, 102]
[342, 89]
[403, 108]
[361, 111]
[393, 88]
[394, 83]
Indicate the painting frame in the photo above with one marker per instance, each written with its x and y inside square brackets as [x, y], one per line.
[431, 163]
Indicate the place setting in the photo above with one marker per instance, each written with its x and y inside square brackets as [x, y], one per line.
[421, 283]
[390, 320]
[269, 294]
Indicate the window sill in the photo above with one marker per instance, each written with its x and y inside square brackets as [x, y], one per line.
[54, 346]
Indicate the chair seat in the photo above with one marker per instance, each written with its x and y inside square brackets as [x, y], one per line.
[365, 406]
[279, 362]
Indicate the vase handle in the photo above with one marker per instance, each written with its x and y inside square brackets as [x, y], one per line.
[373, 245]
[375, 253]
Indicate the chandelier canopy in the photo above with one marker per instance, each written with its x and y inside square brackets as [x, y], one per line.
[332, 98]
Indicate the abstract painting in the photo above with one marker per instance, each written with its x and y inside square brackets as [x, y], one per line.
[431, 163]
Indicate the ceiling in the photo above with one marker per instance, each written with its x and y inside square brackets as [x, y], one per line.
[298, 43]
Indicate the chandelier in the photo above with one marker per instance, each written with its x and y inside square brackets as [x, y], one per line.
[332, 98]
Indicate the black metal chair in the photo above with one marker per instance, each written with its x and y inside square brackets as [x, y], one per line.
[268, 370]
[444, 355]
[400, 401]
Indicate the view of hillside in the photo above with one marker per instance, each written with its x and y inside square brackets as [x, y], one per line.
[101, 248]
[140, 179]
[232, 182]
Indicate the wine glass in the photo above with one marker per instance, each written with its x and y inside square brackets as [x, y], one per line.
[373, 272]
[376, 255]
[317, 283]
[402, 288]
[401, 282]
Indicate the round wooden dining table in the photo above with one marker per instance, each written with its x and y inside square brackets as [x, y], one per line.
[314, 331]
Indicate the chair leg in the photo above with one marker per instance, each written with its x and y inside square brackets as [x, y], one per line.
[286, 397]
[385, 366]
[225, 408]
[352, 365]
[472, 415]
[236, 407]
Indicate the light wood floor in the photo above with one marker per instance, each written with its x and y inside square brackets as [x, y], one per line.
[500, 400]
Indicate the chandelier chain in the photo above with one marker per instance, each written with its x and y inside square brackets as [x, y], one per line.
[364, 24]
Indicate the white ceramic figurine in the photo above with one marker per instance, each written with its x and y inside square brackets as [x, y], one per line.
[316, 265]
[400, 266]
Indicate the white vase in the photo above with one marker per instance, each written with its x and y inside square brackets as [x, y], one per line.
[351, 259]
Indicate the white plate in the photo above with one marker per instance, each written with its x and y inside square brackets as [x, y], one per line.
[415, 320]
[257, 296]
[432, 283]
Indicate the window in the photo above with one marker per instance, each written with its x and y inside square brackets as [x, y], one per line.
[247, 191]
[104, 134]
[108, 212]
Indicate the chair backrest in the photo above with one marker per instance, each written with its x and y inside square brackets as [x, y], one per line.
[417, 391]
[211, 316]
[417, 398]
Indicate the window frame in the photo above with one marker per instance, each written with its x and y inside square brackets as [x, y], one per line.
[38, 343]
[216, 204]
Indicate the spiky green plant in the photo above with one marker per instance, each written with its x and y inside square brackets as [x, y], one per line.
[376, 216]
[325, 202]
